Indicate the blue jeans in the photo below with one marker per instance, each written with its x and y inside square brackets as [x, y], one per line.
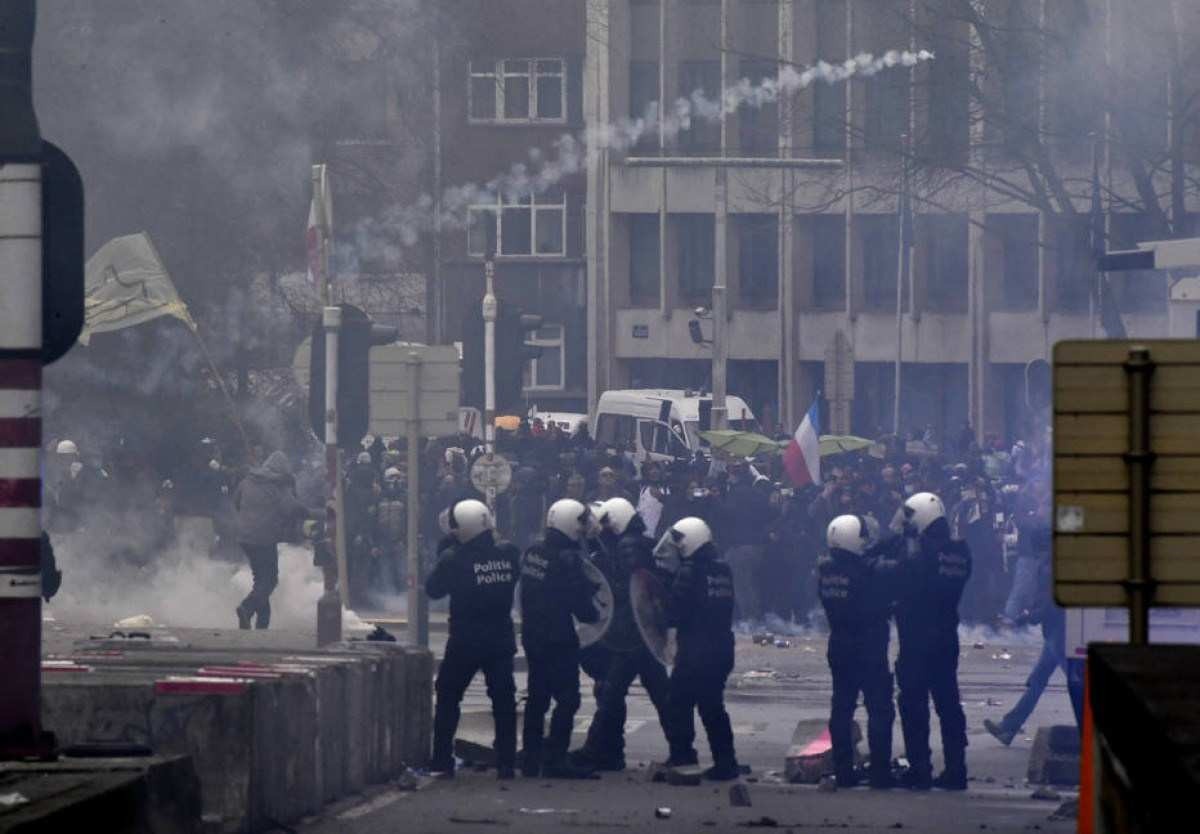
[1053, 657]
[1024, 588]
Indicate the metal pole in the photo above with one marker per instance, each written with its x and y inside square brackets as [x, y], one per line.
[489, 357]
[20, 393]
[418, 606]
[332, 318]
[720, 342]
[1140, 585]
[901, 280]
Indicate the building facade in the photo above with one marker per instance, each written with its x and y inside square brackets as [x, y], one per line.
[792, 206]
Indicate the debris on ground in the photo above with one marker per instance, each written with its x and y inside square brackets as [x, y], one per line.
[684, 776]
[828, 784]
[1069, 810]
[811, 754]
[1003, 654]
[11, 800]
[549, 810]
[1046, 792]
[979, 644]
[136, 621]
[409, 780]
[759, 675]
[662, 813]
[764, 639]
[739, 796]
[478, 821]
[994, 702]
[761, 822]
[783, 644]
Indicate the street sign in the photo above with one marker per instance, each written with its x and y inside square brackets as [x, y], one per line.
[491, 474]
[389, 386]
[1127, 474]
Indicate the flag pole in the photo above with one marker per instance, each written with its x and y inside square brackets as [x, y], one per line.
[901, 278]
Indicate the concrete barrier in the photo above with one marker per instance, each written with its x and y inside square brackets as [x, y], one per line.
[274, 734]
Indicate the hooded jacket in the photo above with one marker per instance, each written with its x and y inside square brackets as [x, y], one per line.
[268, 510]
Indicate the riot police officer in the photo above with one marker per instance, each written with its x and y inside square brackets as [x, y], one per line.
[701, 610]
[479, 574]
[554, 589]
[623, 549]
[857, 606]
[931, 580]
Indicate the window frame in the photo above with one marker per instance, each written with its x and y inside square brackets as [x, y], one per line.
[530, 381]
[537, 204]
[499, 73]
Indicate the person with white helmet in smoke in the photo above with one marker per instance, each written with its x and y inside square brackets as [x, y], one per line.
[701, 610]
[622, 549]
[857, 604]
[479, 575]
[930, 581]
[554, 592]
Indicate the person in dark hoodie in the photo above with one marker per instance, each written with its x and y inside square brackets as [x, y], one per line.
[479, 574]
[554, 589]
[623, 549]
[268, 512]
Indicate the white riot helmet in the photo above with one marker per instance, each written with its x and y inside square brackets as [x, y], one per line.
[849, 533]
[469, 519]
[615, 515]
[682, 540]
[363, 457]
[66, 447]
[569, 517]
[391, 474]
[923, 509]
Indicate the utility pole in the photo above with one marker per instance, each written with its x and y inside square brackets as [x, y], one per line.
[902, 221]
[720, 301]
[21, 233]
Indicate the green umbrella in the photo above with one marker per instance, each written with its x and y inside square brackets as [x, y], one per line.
[835, 444]
[740, 444]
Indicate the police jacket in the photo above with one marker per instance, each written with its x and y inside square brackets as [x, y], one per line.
[554, 589]
[701, 609]
[479, 576]
[930, 585]
[855, 599]
[618, 557]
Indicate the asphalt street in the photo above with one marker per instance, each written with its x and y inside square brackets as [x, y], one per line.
[771, 690]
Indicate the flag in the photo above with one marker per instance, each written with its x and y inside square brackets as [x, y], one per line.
[802, 457]
[1106, 303]
[126, 284]
[320, 226]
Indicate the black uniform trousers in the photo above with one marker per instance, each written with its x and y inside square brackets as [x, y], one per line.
[264, 567]
[606, 735]
[856, 668]
[459, 665]
[553, 675]
[931, 670]
[698, 690]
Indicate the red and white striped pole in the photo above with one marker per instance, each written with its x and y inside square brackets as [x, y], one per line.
[20, 393]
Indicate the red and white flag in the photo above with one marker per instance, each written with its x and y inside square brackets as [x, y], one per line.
[802, 457]
[320, 226]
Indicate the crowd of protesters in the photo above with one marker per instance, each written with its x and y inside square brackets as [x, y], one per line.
[770, 532]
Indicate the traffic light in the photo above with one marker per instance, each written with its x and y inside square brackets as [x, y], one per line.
[513, 353]
[358, 334]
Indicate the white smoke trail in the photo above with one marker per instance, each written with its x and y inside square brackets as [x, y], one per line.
[406, 224]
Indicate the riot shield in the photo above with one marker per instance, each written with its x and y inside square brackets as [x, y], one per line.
[590, 633]
[648, 595]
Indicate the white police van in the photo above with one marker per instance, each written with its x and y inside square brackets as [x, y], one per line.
[662, 423]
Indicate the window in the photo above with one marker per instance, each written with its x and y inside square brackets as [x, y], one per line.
[530, 226]
[1074, 272]
[661, 439]
[949, 82]
[1018, 235]
[880, 259]
[643, 99]
[828, 262]
[758, 258]
[758, 127]
[1074, 109]
[644, 281]
[829, 100]
[615, 430]
[886, 93]
[518, 90]
[946, 266]
[1017, 123]
[546, 372]
[696, 241]
[1139, 290]
[703, 77]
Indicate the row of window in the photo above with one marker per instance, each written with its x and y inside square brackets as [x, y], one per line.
[944, 261]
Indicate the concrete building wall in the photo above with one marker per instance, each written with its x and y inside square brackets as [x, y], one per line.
[966, 334]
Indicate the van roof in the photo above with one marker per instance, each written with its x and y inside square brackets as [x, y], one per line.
[688, 404]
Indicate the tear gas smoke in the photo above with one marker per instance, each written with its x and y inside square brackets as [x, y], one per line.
[405, 224]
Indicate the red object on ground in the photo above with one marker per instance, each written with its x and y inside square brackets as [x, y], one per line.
[200, 686]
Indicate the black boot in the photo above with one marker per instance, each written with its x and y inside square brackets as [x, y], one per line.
[243, 616]
[723, 770]
[561, 767]
[531, 764]
[917, 778]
